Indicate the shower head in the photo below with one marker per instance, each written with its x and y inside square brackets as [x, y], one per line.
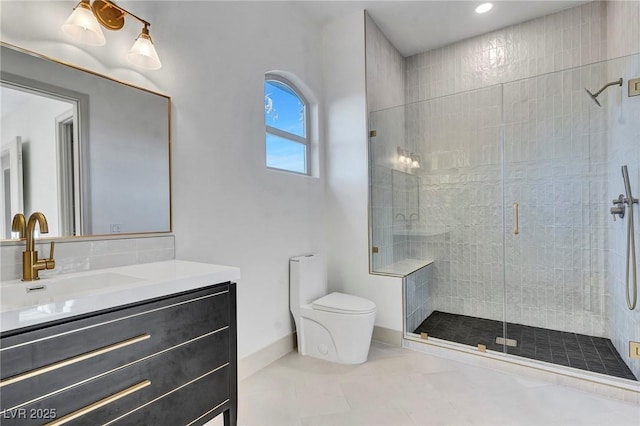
[594, 96]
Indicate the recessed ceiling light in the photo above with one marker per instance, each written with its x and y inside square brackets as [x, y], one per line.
[484, 7]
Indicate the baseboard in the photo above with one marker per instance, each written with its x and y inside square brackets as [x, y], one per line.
[258, 360]
[387, 335]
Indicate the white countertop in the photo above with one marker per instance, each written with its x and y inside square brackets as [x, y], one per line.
[404, 267]
[67, 295]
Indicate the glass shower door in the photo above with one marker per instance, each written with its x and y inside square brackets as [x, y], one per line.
[560, 160]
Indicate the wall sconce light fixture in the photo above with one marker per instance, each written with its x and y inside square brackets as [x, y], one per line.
[84, 26]
[408, 158]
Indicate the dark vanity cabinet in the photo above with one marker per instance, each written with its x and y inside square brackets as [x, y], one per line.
[167, 361]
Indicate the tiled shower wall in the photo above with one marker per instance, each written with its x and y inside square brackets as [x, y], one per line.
[622, 136]
[565, 269]
[385, 90]
[555, 267]
[418, 296]
[460, 199]
[390, 125]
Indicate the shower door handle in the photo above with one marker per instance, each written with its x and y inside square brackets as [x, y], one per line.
[516, 230]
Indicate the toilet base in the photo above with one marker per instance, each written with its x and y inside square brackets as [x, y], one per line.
[340, 338]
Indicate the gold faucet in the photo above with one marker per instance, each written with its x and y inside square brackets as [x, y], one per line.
[19, 225]
[31, 265]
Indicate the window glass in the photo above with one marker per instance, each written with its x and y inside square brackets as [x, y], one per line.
[283, 109]
[286, 154]
[286, 117]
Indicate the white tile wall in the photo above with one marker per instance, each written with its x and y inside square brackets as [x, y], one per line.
[623, 141]
[385, 70]
[385, 91]
[573, 37]
[418, 296]
[73, 255]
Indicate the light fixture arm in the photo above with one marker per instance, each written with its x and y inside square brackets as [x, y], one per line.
[110, 15]
[84, 26]
[108, 3]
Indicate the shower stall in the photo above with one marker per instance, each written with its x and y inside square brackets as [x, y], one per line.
[495, 206]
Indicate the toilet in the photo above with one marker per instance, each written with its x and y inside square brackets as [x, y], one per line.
[335, 327]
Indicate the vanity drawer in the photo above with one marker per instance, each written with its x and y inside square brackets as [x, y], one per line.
[206, 396]
[92, 346]
[151, 384]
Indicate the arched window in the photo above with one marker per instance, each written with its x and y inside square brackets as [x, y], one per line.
[286, 117]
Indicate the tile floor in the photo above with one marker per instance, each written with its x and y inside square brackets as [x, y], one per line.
[402, 387]
[589, 353]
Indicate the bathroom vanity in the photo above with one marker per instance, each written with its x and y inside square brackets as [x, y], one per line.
[150, 344]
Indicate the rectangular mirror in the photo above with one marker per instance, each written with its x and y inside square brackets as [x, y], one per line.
[91, 153]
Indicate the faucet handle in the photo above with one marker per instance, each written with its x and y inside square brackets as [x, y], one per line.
[50, 262]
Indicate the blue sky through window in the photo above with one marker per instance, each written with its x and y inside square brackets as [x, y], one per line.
[285, 154]
[284, 111]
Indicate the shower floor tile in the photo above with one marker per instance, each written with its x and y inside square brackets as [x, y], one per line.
[590, 353]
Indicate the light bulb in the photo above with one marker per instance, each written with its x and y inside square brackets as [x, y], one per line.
[143, 53]
[484, 8]
[83, 26]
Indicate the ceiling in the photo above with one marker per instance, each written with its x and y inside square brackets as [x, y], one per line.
[417, 26]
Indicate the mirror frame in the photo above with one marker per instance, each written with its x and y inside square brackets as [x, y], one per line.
[83, 117]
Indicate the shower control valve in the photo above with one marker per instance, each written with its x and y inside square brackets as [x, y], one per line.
[618, 207]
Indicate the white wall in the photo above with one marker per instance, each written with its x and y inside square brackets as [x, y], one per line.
[34, 121]
[227, 208]
[347, 171]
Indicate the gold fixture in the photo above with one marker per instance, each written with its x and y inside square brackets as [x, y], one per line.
[19, 225]
[372, 134]
[73, 360]
[516, 229]
[634, 350]
[31, 265]
[482, 348]
[424, 336]
[101, 403]
[374, 249]
[634, 87]
[83, 25]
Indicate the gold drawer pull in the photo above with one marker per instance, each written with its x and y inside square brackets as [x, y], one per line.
[101, 403]
[73, 360]
[516, 228]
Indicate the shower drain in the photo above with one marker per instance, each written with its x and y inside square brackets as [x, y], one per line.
[508, 342]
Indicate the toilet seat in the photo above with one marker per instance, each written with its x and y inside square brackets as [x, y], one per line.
[344, 304]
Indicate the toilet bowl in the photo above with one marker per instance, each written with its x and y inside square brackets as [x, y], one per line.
[335, 327]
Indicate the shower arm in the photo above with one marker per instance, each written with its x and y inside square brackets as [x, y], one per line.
[613, 83]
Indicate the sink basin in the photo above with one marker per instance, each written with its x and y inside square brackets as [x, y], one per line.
[56, 297]
[48, 291]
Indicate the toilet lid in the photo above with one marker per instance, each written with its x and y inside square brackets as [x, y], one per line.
[344, 304]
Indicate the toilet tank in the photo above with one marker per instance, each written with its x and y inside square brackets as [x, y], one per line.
[307, 280]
